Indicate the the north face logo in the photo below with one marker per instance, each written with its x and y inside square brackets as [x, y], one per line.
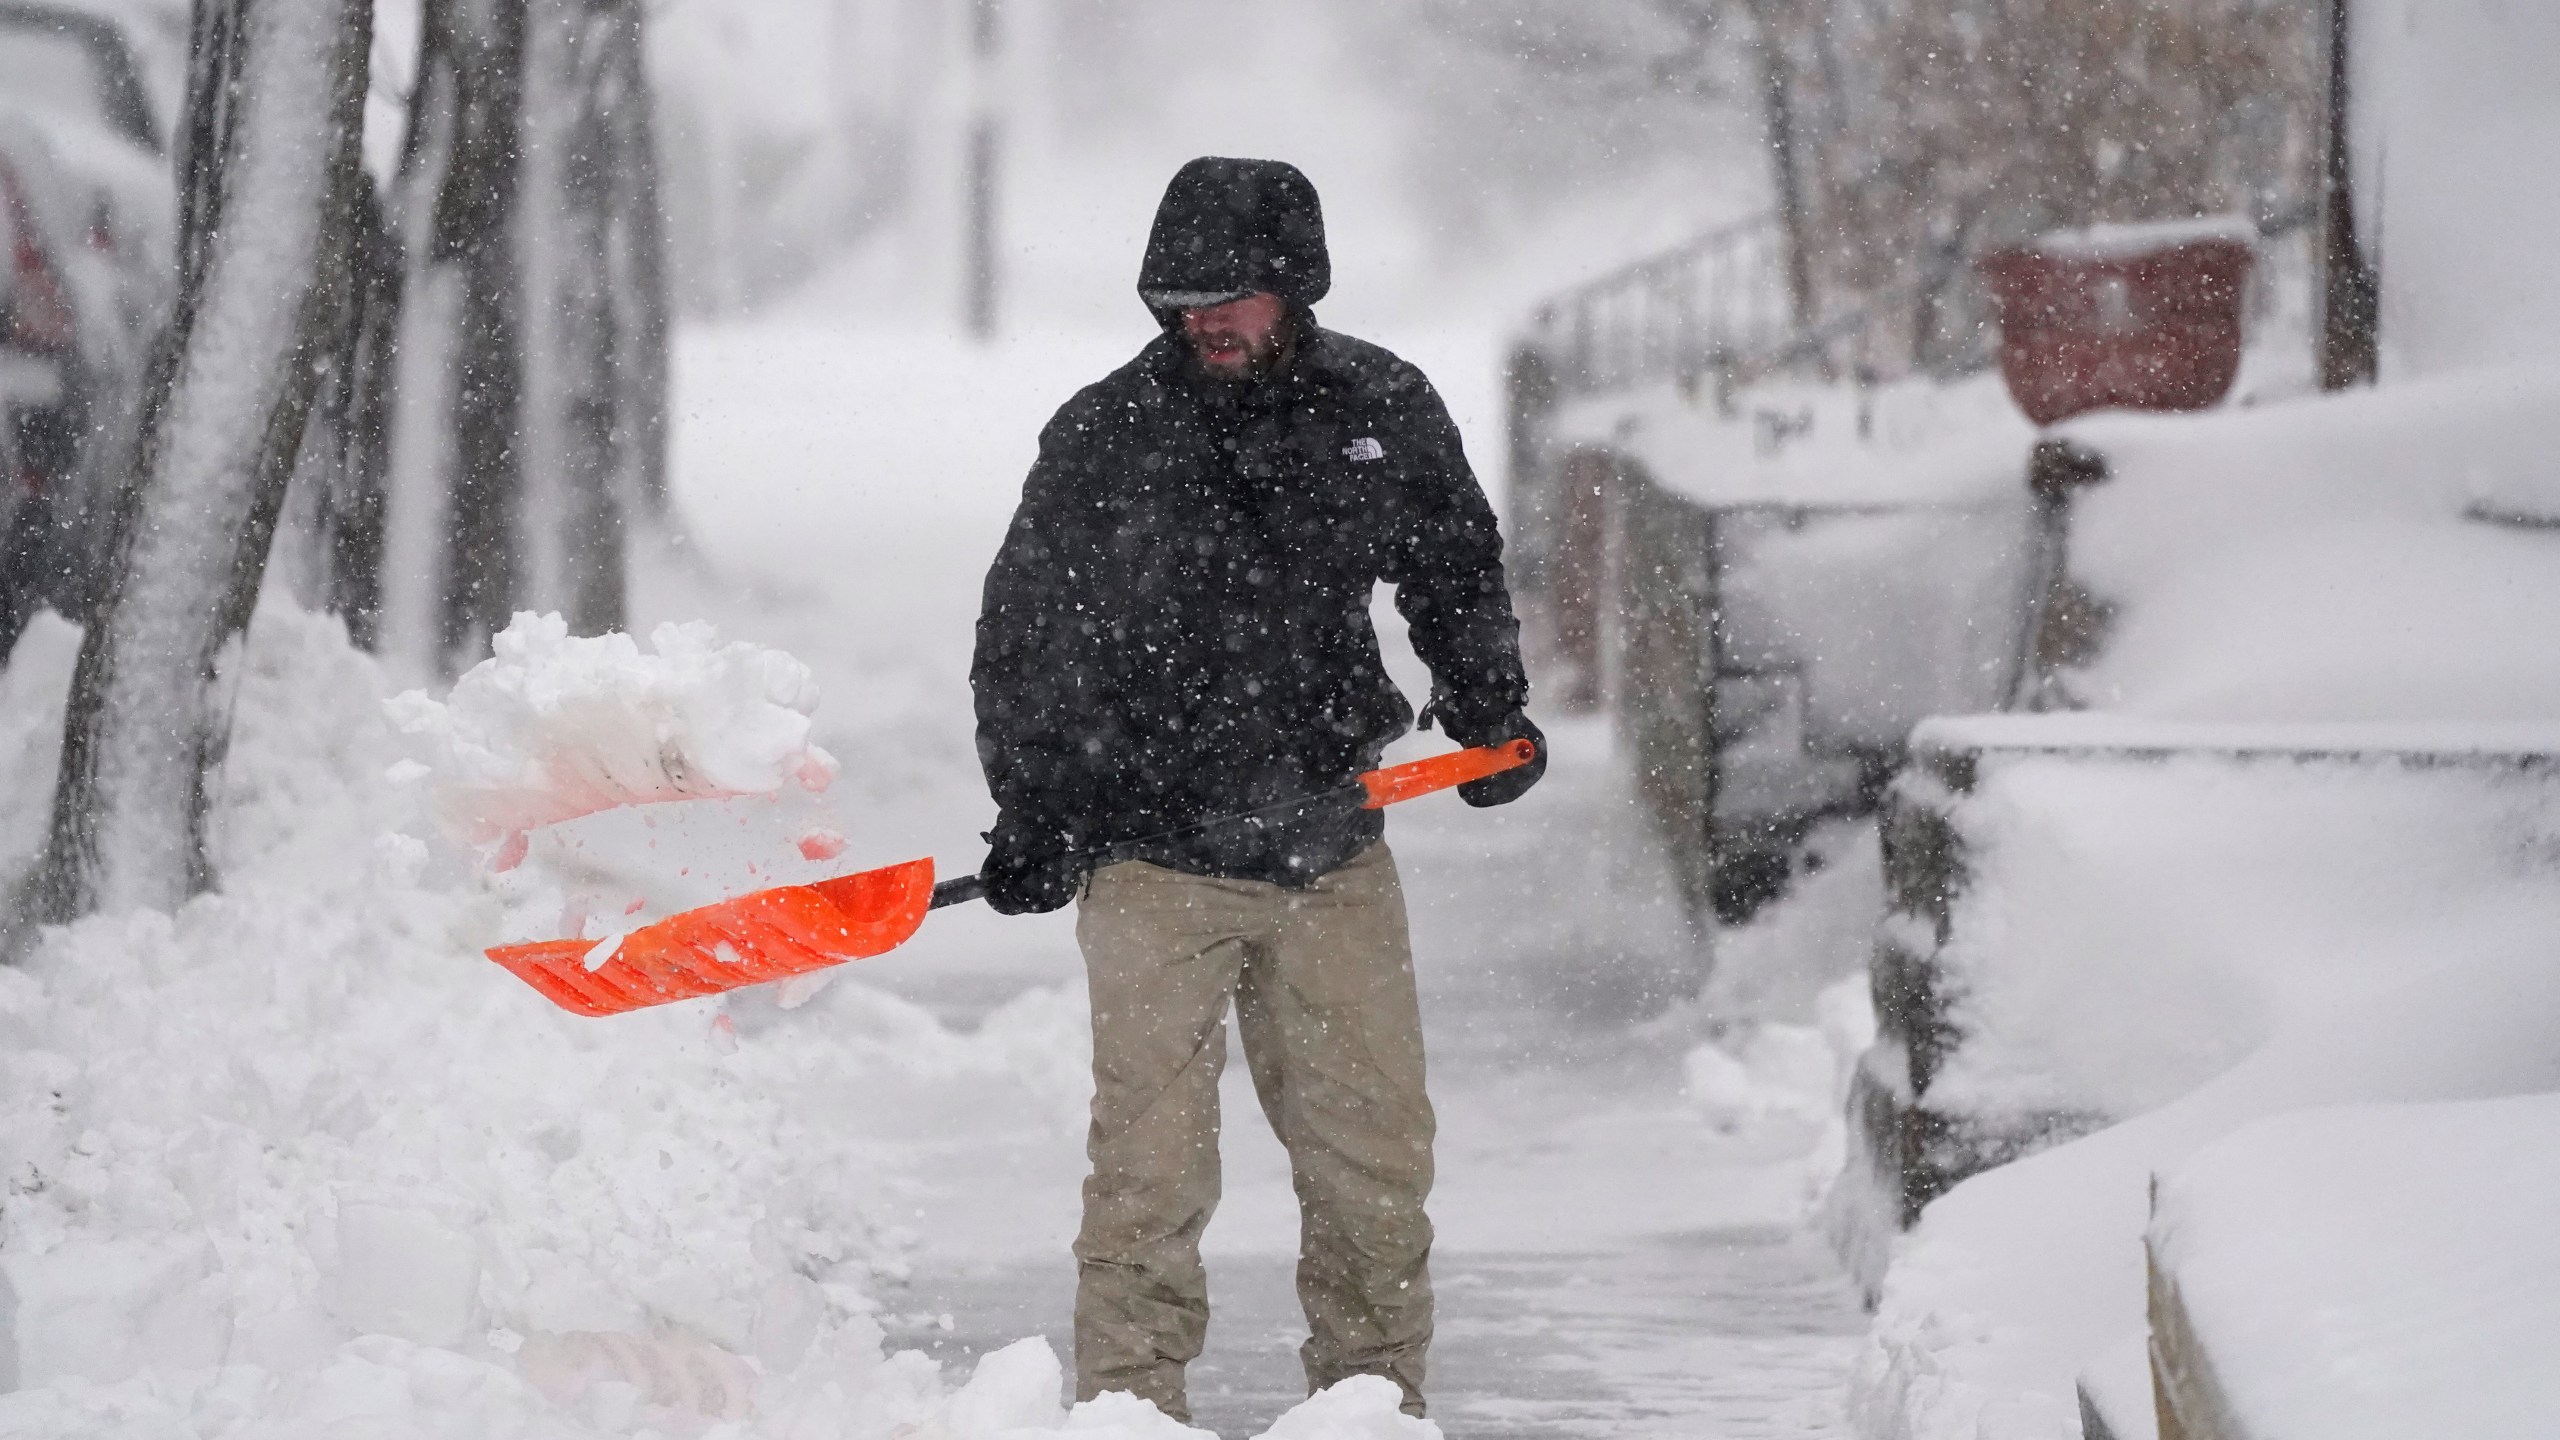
[1365, 448]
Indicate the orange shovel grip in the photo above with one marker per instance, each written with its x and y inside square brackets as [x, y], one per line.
[1443, 772]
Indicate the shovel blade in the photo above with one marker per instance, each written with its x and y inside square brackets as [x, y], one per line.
[768, 935]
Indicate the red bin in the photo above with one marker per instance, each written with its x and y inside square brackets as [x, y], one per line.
[2146, 317]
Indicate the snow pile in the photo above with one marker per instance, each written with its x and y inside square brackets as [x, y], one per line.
[2325, 1294]
[2020, 1277]
[1360, 1408]
[553, 726]
[2194, 926]
[1769, 1074]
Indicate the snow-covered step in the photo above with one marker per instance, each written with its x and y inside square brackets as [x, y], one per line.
[2091, 916]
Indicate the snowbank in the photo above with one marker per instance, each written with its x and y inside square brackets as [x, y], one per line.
[2023, 1275]
[2320, 1293]
[2133, 921]
[1786, 1087]
[2319, 561]
[553, 726]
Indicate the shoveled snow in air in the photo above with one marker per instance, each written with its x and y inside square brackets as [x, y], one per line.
[554, 726]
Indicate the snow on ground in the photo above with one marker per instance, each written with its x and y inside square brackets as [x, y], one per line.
[291, 1162]
[2327, 1295]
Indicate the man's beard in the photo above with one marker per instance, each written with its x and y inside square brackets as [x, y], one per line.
[1260, 362]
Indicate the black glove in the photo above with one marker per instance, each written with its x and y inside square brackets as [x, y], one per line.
[1511, 784]
[1029, 870]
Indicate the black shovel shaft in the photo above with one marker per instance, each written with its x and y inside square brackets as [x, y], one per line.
[961, 889]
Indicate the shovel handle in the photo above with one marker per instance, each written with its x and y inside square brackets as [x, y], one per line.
[1443, 772]
[958, 890]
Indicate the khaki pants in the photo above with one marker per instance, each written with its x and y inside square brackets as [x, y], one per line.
[1322, 980]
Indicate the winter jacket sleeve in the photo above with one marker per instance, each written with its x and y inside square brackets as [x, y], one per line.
[1444, 556]
[1033, 674]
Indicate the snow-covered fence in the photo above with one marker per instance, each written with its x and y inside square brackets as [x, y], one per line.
[2090, 916]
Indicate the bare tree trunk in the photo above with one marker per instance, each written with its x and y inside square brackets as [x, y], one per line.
[636, 262]
[531, 423]
[1786, 162]
[582, 78]
[353, 510]
[269, 174]
[474, 235]
[979, 279]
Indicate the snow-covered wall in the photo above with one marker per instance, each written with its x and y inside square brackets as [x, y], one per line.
[2456, 120]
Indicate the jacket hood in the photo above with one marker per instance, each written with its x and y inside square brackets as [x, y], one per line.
[1228, 228]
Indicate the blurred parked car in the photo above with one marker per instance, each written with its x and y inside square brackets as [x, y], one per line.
[86, 249]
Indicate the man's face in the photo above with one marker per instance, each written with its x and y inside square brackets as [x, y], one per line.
[1239, 340]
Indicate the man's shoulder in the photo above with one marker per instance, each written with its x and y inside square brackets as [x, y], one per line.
[1124, 395]
[1363, 366]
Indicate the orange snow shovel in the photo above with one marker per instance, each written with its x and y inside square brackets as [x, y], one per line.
[794, 929]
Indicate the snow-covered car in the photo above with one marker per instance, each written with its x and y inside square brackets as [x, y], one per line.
[86, 247]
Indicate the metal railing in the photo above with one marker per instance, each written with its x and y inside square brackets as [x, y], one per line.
[1687, 313]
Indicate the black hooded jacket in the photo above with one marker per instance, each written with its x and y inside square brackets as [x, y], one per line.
[1177, 626]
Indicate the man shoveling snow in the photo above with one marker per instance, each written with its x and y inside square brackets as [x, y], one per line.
[1177, 628]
